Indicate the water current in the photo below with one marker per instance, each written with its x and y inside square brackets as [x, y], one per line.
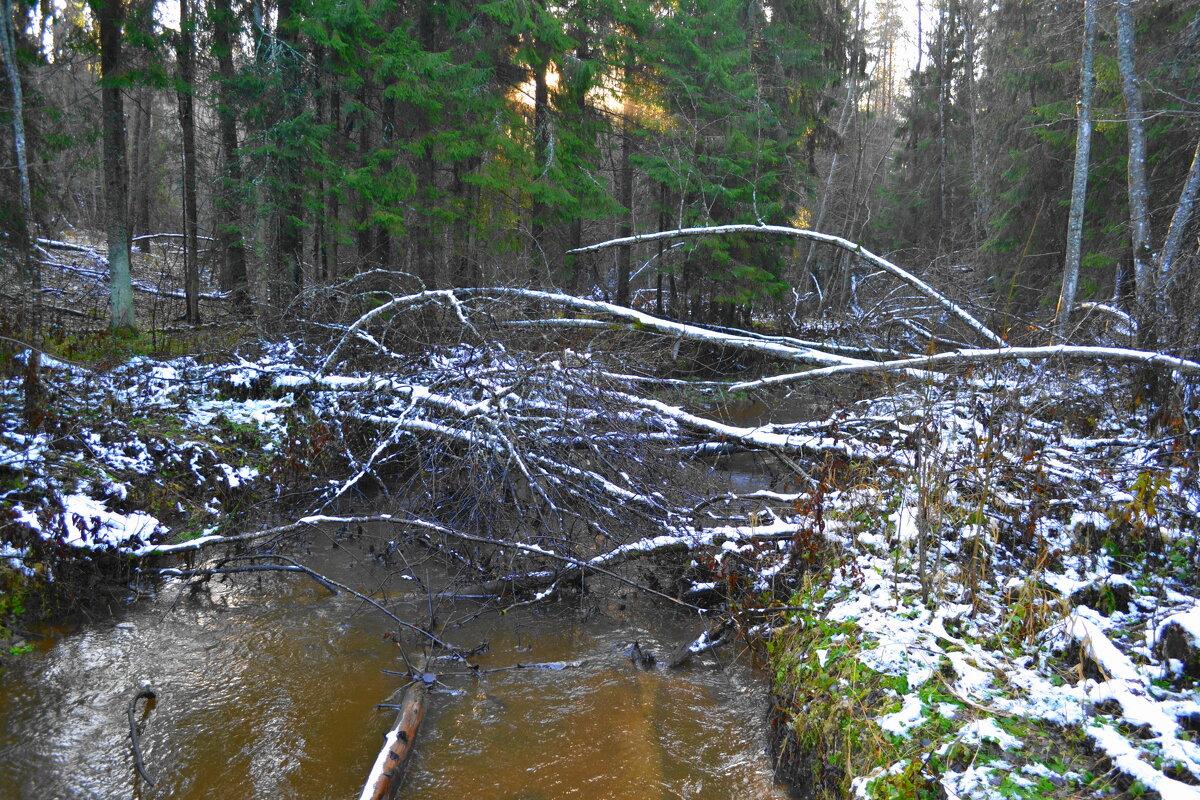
[268, 686]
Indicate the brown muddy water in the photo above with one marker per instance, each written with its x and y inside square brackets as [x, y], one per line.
[267, 688]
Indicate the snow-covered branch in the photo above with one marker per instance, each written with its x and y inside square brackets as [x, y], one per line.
[1114, 355]
[814, 236]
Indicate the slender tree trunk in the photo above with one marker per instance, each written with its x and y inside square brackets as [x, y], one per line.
[920, 40]
[575, 231]
[1083, 148]
[625, 253]
[333, 223]
[979, 192]
[31, 271]
[185, 54]
[9, 45]
[1173, 244]
[426, 233]
[319, 254]
[139, 190]
[228, 202]
[110, 16]
[542, 153]
[365, 248]
[289, 207]
[943, 110]
[1139, 192]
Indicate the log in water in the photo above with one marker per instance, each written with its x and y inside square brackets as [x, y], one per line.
[272, 686]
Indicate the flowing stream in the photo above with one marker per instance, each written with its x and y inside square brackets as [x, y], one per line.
[267, 687]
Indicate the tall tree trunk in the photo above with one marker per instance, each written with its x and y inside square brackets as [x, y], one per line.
[321, 96]
[110, 16]
[625, 171]
[943, 110]
[1173, 244]
[289, 206]
[364, 246]
[542, 149]
[228, 202]
[9, 49]
[185, 54]
[1139, 191]
[333, 223]
[140, 190]
[31, 271]
[1083, 148]
[426, 170]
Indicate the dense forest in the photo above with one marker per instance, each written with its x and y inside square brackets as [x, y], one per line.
[479, 143]
[856, 342]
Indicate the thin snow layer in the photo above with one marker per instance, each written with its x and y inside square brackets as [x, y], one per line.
[174, 424]
[910, 715]
[89, 523]
[1122, 706]
[979, 730]
[1188, 620]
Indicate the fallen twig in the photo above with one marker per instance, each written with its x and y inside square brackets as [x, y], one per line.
[138, 764]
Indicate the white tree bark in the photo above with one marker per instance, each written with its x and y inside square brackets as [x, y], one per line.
[1139, 191]
[1083, 149]
[836, 241]
[1174, 242]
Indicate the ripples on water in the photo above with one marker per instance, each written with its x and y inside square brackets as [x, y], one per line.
[272, 693]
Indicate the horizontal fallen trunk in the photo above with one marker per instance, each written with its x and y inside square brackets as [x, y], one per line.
[814, 236]
[1114, 355]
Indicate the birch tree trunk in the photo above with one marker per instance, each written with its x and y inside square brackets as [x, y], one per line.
[1139, 192]
[9, 45]
[1083, 148]
[1174, 241]
[31, 272]
[110, 14]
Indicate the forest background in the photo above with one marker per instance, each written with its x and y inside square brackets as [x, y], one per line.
[478, 143]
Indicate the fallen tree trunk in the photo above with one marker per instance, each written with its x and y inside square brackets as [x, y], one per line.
[814, 236]
[388, 772]
[961, 358]
[712, 638]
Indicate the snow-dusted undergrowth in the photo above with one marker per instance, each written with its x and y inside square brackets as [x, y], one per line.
[986, 573]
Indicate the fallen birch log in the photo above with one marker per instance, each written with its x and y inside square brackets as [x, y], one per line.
[388, 772]
[813, 236]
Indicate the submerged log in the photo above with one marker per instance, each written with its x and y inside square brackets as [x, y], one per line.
[388, 773]
[710, 639]
[150, 695]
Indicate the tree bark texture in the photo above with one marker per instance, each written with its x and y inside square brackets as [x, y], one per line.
[1083, 149]
[388, 772]
[1173, 245]
[9, 48]
[1139, 191]
[228, 201]
[624, 252]
[185, 55]
[542, 155]
[111, 17]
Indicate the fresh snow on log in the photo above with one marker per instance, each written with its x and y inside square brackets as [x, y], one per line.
[837, 241]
